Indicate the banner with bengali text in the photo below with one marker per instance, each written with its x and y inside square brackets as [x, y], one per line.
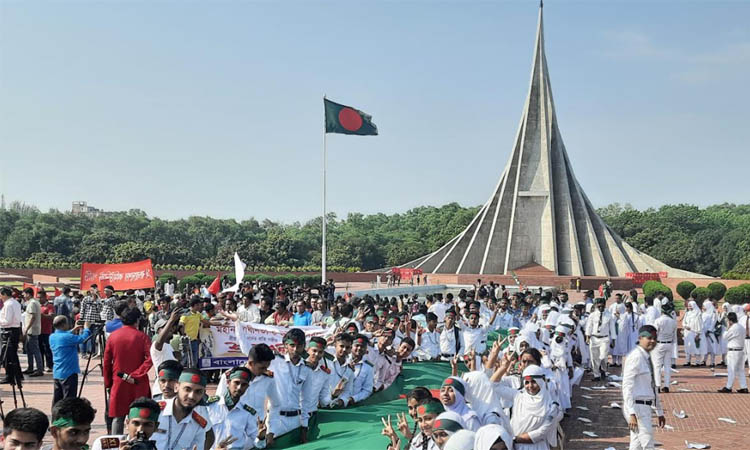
[135, 275]
[227, 345]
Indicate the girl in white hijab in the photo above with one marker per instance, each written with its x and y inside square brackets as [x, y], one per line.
[461, 440]
[535, 414]
[709, 318]
[493, 437]
[692, 326]
[453, 398]
[444, 426]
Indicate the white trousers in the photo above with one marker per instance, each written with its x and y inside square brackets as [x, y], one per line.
[599, 348]
[661, 358]
[747, 353]
[735, 368]
[643, 439]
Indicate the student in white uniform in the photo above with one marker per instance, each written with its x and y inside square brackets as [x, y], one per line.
[168, 376]
[183, 423]
[535, 413]
[161, 350]
[639, 392]
[234, 422]
[450, 337]
[428, 340]
[475, 338]
[363, 381]
[735, 336]
[600, 333]
[661, 357]
[453, 396]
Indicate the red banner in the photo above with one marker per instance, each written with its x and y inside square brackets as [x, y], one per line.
[640, 277]
[135, 275]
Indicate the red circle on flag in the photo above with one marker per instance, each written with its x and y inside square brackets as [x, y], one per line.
[144, 413]
[196, 379]
[350, 119]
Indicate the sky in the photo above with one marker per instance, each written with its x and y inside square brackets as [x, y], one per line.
[215, 108]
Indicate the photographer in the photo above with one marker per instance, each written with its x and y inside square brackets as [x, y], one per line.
[10, 322]
[142, 420]
[64, 345]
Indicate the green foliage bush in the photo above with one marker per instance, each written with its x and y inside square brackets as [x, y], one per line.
[652, 287]
[738, 295]
[700, 294]
[166, 276]
[734, 275]
[716, 290]
[684, 288]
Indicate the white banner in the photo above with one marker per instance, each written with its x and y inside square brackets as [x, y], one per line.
[228, 345]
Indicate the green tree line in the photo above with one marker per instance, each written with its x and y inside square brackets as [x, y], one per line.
[714, 240]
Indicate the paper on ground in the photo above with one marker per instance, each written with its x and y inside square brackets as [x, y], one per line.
[680, 415]
[599, 388]
[694, 445]
[684, 390]
[727, 420]
[588, 397]
[669, 427]
[582, 408]
[590, 434]
[585, 388]
[584, 420]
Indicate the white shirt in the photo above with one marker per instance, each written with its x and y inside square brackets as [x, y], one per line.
[363, 381]
[439, 309]
[291, 384]
[666, 329]
[429, 346]
[261, 388]
[158, 357]
[448, 341]
[10, 315]
[241, 422]
[735, 336]
[319, 382]
[475, 338]
[637, 379]
[338, 372]
[189, 432]
[249, 314]
[607, 327]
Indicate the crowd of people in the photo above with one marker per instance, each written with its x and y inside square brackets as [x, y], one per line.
[522, 352]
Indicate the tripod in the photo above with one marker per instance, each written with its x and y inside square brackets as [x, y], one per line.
[12, 370]
[97, 334]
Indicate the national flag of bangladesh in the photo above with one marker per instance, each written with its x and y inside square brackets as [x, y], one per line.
[343, 119]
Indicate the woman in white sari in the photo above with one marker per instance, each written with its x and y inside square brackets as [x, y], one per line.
[692, 327]
[535, 414]
[627, 333]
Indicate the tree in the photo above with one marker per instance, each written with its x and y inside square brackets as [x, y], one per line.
[716, 290]
[684, 288]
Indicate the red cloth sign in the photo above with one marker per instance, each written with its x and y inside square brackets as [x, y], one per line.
[135, 275]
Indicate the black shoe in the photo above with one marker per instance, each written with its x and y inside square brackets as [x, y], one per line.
[38, 373]
[687, 365]
[725, 390]
[596, 379]
[742, 391]
[674, 366]
[28, 371]
[665, 390]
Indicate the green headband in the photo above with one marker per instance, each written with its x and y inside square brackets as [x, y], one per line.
[430, 408]
[169, 374]
[313, 344]
[64, 422]
[139, 412]
[646, 334]
[188, 377]
[455, 384]
[240, 374]
[447, 425]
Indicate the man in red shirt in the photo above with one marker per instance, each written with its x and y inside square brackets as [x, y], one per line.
[127, 360]
[48, 314]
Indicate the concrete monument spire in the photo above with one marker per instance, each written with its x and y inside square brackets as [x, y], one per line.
[538, 214]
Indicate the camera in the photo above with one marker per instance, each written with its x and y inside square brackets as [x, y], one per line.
[141, 443]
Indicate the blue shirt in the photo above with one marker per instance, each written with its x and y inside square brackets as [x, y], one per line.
[304, 319]
[64, 345]
[113, 325]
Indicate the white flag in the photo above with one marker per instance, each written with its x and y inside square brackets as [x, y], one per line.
[239, 273]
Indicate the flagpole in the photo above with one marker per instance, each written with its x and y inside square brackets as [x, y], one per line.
[323, 247]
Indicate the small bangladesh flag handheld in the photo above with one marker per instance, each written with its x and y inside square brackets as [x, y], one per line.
[343, 119]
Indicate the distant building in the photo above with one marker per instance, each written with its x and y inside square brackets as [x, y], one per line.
[83, 208]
